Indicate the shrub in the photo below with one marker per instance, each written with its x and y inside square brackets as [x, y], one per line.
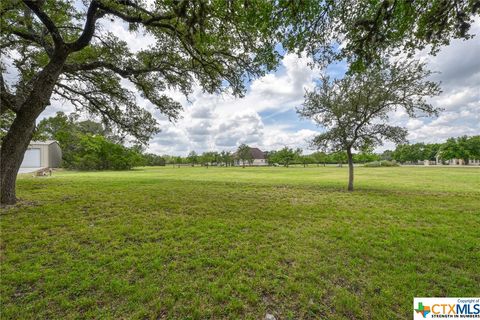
[383, 163]
[98, 153]
[151, 159]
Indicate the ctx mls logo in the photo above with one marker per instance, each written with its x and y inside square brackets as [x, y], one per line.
[423, 310]
[446, 307]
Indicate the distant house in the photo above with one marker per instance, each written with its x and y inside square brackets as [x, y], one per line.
[42, 154]
[258, 158]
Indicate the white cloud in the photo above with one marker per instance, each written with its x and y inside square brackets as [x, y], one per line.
[223, 122]
[458, 71]
[413, 124]
[279, 137]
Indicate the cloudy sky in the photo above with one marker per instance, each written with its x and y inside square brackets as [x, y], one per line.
[266, 116]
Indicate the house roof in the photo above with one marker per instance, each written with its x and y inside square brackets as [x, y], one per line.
[46, 142]
[257, 153]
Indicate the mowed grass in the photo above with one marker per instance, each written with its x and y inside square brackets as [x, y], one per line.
[197, 243]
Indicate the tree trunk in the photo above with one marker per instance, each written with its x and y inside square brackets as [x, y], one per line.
[13, 149]
[21, 131]
[350, 169]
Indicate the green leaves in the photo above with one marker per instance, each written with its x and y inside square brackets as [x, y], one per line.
[461, 148]
[97, 153]
[88, 145]
[355, 110]
[285, 156]
[218, 45]
[370, 30]
[244, 154]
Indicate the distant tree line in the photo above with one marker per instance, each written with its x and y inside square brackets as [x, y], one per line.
[209, 158]
[289, 156]
[283, 157]
[465, 148]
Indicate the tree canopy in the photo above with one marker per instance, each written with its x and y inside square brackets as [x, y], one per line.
[416, 152]
[369, 30]
[284, 156]
[464, 148]
[215, 45]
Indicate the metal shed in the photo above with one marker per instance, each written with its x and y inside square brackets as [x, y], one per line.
[42, 154]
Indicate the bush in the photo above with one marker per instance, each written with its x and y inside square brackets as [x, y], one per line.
[97, 153]
[151, 159]
[383, 163]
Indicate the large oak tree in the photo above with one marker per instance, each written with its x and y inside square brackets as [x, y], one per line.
[61, 49]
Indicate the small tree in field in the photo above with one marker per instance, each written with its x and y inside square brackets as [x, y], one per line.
[192, 158]
[339, 157]
[286, 155]
[320, 157]
[306, 159]
[244, 153]
[208, 158]
[226, 158]
[177, 161]
[366, 154]
[355, 109]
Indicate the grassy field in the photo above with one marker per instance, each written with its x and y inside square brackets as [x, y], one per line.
[197, 243]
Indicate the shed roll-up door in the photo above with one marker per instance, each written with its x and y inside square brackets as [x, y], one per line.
[31, 159]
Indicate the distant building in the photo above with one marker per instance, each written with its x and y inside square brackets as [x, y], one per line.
[453, 162]
[429, 162]
[42, 154]
[258, 158]
[461, 162]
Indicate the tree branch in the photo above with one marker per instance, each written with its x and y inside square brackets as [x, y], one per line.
[47, 21]
[89, 28]
[35, 39]
[123, 72]
[153, 20]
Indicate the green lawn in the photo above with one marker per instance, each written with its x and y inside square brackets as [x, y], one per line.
[197, 243]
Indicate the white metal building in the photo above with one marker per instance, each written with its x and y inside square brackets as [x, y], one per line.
[42, 154]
